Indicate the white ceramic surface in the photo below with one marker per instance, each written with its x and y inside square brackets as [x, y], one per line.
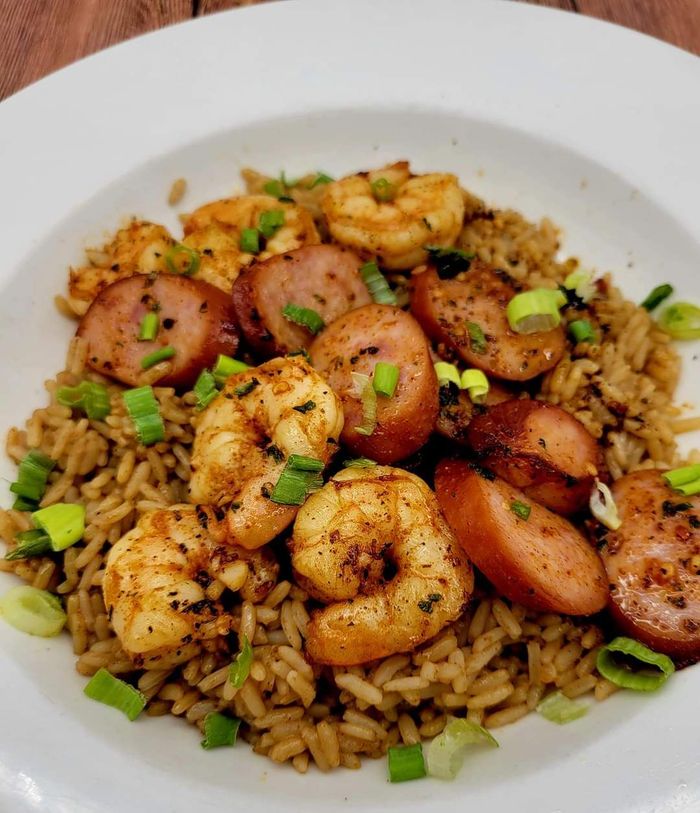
[547, 112]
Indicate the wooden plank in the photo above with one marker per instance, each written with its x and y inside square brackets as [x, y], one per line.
[44, 36]
[210, 6]
[676, 21]
[566, 5]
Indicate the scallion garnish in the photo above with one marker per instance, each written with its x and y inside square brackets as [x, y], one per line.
[219, 729]
[306, 317]
[535, 311]
[520, 509]
[250, 241]
[449, 262]
[148, 329]
[686, 480]
[303, 463]
[34, 611]
[275, 189]
[582, 330]
[182, 259]
[475, 383]
[477, 338]
[359, 463]
[383, 190]
[162, 354]
[107, 689]
[89, 396]
[240, 668]
[446, 373]
[446, 752]
[63, 522]
[656, 296]
[602, 505]
[405, 762]
[321, 178]
[30, 543]
[377, 286]
[246, 387]
[143, 409]
[226, 366]
[632, 665]
[307, 406]
[270, 222]
[32, 476]
[558, 708]
[204, 390]
[385, 378]
[299, 478]
[368, 397]
[681, 321]
[581, 283]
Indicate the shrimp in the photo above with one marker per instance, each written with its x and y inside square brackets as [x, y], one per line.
[155, 581]
[348, 537]
[244, 437]
[139, 248]
[424, 209]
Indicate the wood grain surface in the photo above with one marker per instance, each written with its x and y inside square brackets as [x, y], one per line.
[40, 36]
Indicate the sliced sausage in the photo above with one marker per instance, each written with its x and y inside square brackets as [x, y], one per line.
[653, 564]
[539, 448]
[196, 319]
[543, 561]
[355, 343]
[324, 278]
[448, 309]
[457, 409]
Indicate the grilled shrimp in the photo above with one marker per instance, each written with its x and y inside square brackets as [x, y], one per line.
[424, 209]
[347, 537]
[246, 434]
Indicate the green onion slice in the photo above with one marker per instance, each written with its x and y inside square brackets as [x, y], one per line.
[107, 689]
[162, 354]
[64, 523]
[320, 179]
[240, 668]
[377, 286]
[30, 543]
[383, 190]
[204, 390]
[521, 509]
[582, 330]
[250, 241]
[446, 373]
[359, 463]
[306, 317]
[32, 476]
[477, 338]
[446, 752]
[602, 505]
[295, 484]
[385, 378]
[558, 708]
[368, 397]
[405, 762]
[270, 222]
[36, 612]
[143, 409]
[681, 321]
[631, 665]
[535, 311]
[89, 396]
[219, 729]
[449, 262]
[686, 480]
[656, 296]
[476, 384]
[275, 188]
[581, 283]
[301, 462]
[182, 259]
[226, 366]
[148, 329]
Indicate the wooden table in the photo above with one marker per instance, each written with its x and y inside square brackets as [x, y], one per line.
[40, 36]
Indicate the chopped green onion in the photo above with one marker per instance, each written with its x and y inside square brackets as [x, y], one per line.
[602, 505]
[681, 321]
[276, 189]
[89, 396]
[245, 388]
[449, 262]
[359, 463]
[34, 611]
[306, 317]
[191, 262]
[446, 752]
[63, 522]
[405, 762]
[321, 178]
[520, 509]
[107, 689]
[307, 406]
[631, 670]
[23, 504]
[377, 286]
[477, 338]
[225, 367]
[368, 397]
[143, 409]
[581, 282]
[303, 463]
[657, 296]
[162, 354]
[385, 378]
[476, 384]
[250, 241]
[270, 222]
[149, 327]
[535, 311]
[32, 476]
[219, 729]
[301, 351]
[30, 543]
[205, 390]
[582, 330]
[446, 373]
[558, 708]
[240, 668]
[686, 480]
[295, 484]
[383, 190]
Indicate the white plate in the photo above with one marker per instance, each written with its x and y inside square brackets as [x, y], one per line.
[547, 112]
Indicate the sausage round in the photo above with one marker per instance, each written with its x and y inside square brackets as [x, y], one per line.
[653, 564]
[539, 448]
[447, 308]
[457, 410]
[542, 562]
[355, 343]
[196, 319]
[324, 278]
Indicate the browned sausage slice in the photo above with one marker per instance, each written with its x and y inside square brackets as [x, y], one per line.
[448, 310]
[543, 561]
[653, 564]
[541, 449]
[196, 319]
[457, 410]
[355, 343]
[324, 278]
